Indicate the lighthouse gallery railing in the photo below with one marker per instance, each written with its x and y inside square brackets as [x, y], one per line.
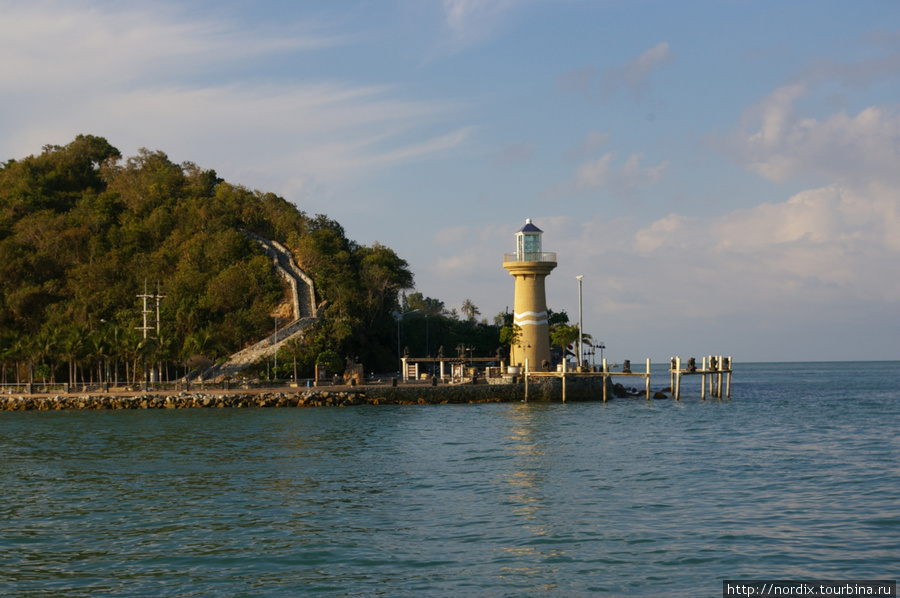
[530, 256]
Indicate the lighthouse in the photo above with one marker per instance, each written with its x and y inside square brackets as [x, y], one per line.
[530, 265]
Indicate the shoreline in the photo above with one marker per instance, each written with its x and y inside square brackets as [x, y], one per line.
[335, 396]
[243, 399]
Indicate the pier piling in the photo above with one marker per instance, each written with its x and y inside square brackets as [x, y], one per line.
[715, 368]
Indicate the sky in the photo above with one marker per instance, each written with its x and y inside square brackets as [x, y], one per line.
[723, 173]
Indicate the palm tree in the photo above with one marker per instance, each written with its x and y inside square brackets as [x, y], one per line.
[165, 350]
[201, 343]
[129, 344]
[469, 309]
[7, 353]
[115, 349]
[72, 349]
[46, 347]
[564, 335]
[20, 351]
[32, 349]
[97, 349]
[147, 349]
[294, 347]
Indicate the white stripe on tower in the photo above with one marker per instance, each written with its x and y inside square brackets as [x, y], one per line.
[530, 318]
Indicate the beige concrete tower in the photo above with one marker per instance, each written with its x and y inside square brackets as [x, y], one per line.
[530, 266]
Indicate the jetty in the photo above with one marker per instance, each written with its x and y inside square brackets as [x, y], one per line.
[603, 375]
[714, 369]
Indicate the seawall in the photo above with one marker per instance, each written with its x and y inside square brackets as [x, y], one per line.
[540, 391]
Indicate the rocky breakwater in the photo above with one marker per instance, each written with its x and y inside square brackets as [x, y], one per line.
[202, 400]
[182, 400]
[548, 389]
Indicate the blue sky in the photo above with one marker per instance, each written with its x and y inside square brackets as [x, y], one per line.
[724, 174]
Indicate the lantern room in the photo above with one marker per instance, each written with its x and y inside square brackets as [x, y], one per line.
[528, 243]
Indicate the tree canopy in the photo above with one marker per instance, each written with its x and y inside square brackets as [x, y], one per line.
[82, 231]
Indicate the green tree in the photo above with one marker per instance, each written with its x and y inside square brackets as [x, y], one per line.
[331, 360]
[510, 332]
[204, 343]
[129, 343]
[73, 348]
[99, 351]
[426, 305]
[82, 229]
[165, 354]
[294, 348]
[469, 310]
[564, 335]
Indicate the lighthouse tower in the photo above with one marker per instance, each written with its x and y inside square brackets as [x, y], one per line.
[530, 266]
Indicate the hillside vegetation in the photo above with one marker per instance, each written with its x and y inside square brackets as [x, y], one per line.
[82, 230]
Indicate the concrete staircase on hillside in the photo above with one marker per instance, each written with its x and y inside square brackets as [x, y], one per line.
[302, 291]
[305, 313]
[264, 348]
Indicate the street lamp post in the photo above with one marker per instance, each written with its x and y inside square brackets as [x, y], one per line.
[116, 350]
[580, 327]
[399, 315]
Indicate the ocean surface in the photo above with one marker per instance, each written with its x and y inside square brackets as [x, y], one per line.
[797, 476]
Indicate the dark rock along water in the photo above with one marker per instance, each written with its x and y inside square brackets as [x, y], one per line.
[795, 477]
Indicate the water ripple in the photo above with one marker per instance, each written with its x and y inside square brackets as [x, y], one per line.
[788, 480]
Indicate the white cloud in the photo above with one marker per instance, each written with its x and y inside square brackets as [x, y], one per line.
[822, 249]
[634, 74]
[781, 145]
[472, 20]
[602, 173]
[595, 173]
[593, 141]
[139, 76]
[822, 260]
[72, 45]
[831, 243]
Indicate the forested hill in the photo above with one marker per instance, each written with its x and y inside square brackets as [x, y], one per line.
[82, 229]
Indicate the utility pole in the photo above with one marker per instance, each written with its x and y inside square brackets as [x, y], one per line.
[158, 297]
[145, 311]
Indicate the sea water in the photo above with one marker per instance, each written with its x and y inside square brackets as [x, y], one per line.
[795, 477]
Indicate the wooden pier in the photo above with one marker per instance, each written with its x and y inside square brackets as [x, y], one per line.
[714, 368]
[715, 371]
